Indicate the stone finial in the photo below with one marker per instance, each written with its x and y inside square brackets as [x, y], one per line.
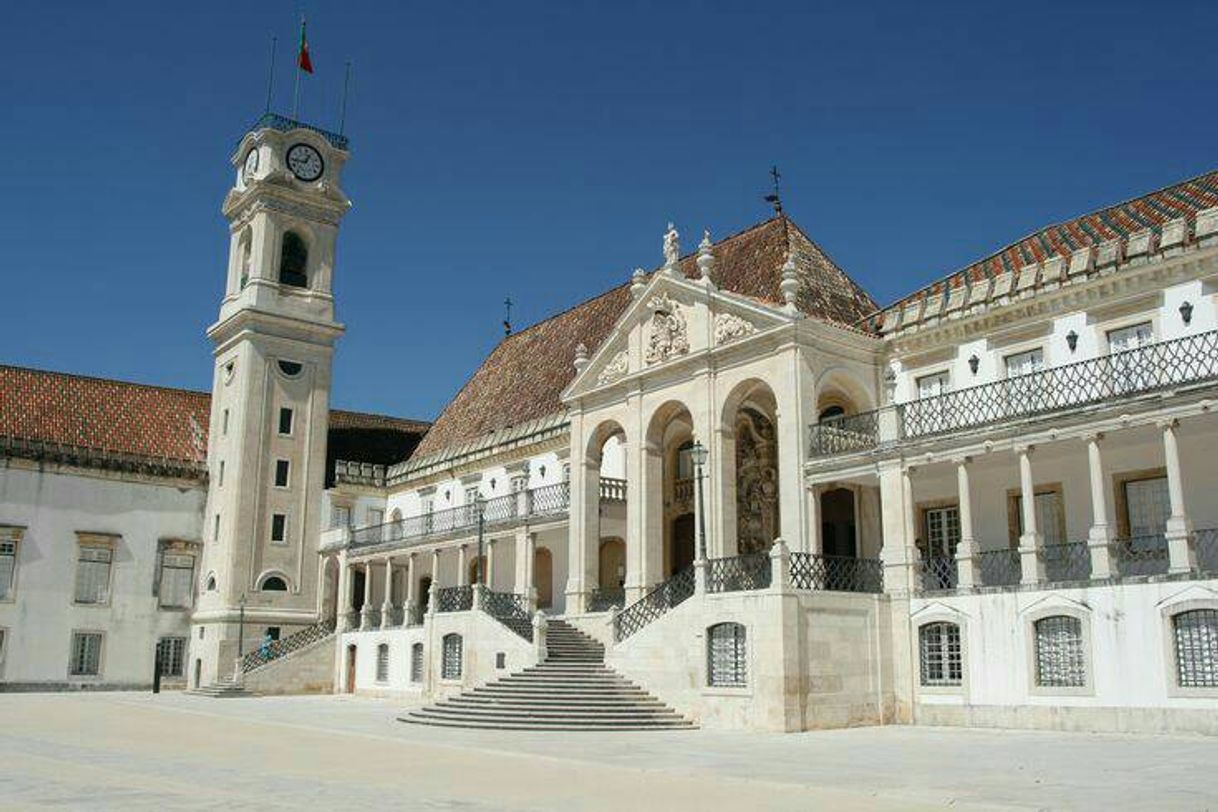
[638, 282]
[581, 357]
[672, 250]
[706, 259]
[790, 284]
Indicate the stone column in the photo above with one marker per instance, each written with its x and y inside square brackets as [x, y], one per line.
[645, 552]
[489, 577]
[1181, 556]
[526, 549]
[815, 540]
[410, 608]
[1099, 539]
[1030, 541]
[343, 607]
[462, 567]
[967, 563]
[387, 604]
[898, 553]
[433, 599]
[365, 619]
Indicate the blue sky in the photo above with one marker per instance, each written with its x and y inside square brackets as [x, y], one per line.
[537, 151]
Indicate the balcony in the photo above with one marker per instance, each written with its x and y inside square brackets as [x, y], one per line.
[536, 503]
[1107, 379]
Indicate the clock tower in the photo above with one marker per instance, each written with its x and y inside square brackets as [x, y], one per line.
[273, 345]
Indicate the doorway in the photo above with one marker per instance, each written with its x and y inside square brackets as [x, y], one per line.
[543, 577]
[682, 543]
[838, 533]
[349, 682]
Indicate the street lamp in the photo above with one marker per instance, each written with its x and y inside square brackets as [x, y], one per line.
[241, 631]
[480, 506]
[698, 453]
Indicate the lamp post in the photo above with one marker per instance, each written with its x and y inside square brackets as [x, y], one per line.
[480, 506]
[699, 454]
[241, 633]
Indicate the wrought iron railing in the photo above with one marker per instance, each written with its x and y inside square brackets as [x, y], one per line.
[455, 599]
[280, 648]
[371, 618]
[1205, 545]
[351, 618]
[1066, 562]
[548, 500]
[836, 573]
[508, 608]
[999, 567]
[1141, 555]
[1119, 374]
[938, 572]
[738, 573]
[613, 490]
[845, 433]
[673, 592]
[275, 121]
[395, 613]
[602, 600]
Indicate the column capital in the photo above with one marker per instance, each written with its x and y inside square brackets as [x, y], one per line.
[962, 459]
[1024, 448]
[1093, 436]
[1167, 423]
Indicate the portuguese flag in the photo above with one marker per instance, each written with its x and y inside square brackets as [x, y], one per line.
[302, 59]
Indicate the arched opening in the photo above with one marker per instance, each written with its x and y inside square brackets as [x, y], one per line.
[839, 535]
[477, 569]
[839, 395]
[543, 577]
[751, 463]
[669, 464]
[274, 583]
[359, 583]
[293, 261]
[612, 564]
[425, 592]
[605, 492]
[836, 410]
[211, 583]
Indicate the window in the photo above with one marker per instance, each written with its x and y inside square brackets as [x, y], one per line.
[450, 663]
[1196, 634]
[293, 261]
[211, 586]
[685, 460]
[171, 651]
[1132, 369]
[8, 568]
[93, 574]
[416, 662]
[274, 583]
[942, 532]
[376, 517]
[726, 656]
[1060, 661]
[932, 416]
[177, 576]
[279, 524]
[221, 476]
[2, 640]
[1024, 393]
[382, 662]
[1050, 517]
[86, 654]
[281, 473]
[224, 422]
[290, 369]
[930, 386]
[1147, 506]
[340, 516]
[940, 662]
[285, 420]
[215, 527]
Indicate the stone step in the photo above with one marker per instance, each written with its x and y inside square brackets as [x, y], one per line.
[567, 708]
[529, 715]
[539, 725]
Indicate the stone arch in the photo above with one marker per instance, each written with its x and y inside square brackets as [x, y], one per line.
[274, 581]
[669, 488]
[748, 468]
[840, 392]
[294, 259]
[611, 561]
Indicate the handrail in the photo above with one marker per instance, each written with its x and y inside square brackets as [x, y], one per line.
[281, 648]
[508, 608]
[845, 433]
[673, 592]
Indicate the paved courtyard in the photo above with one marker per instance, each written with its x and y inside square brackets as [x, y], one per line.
[137, 751]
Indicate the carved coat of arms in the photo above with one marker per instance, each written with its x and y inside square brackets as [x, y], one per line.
[669, 336]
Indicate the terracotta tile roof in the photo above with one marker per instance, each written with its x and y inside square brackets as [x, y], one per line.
[1151, 211]
[156, 422]
[523, 377]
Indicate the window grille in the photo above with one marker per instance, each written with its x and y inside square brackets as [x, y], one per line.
[86, 654]
[177, 578]
[941, 662]
[93, 575]
[172, 651]
[382, 662]
[1060, 661]
[8, 567]
[1196, 634]
[416, 662]
[726, 655]
[450, 664]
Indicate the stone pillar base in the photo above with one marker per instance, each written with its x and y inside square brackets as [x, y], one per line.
[1031, 565]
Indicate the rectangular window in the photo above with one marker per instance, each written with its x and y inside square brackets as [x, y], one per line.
[375, 517]
[382, 662]
[1060, 659]
[933, 415]
[1050, 519]
[1133, 369]
[221, 482]
[8, 568]
[281, 473]
[942, 532]
[340, 516]
[86, 654]
[93, 574]
[215, 527]
[1130, 338]
[941, 661]
[1025, 363]
[726, 656]
[279, 525]
[285, 420]
[172, 653]
[177, 581]
[930, 386]
[224, 422]
[1148, 506]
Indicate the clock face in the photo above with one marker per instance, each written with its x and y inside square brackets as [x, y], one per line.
[251, 165]
[305, 162]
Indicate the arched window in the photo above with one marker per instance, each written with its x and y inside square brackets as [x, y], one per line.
[1060, 660]
[211, 583]
[382, 662]
[274, 583]
[1196, 634]
[726, 656]
[416, 662]
[450, 664]
[832, 411]
[246, 240]
[941, 663]
[293, 261]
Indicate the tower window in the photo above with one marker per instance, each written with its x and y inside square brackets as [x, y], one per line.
[221, 482]
[279, 522]
[285, 420]
[281, 473]
[293, 261]
[274, 583]
[224, 422]
[290, 368]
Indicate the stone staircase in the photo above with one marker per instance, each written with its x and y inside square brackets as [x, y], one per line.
[224, 688]
[572, 690]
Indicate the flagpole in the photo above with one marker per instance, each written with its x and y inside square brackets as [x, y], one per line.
[296, 91]
[342, 110]
[270, 79]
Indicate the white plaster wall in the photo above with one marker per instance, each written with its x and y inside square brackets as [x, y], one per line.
[366, 643]
[484, 638]
[41, 617]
